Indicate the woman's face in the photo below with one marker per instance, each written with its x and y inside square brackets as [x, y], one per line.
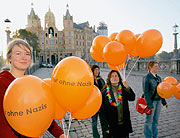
[114, 78]
[20, 57]
[96, 72]
[154, 68]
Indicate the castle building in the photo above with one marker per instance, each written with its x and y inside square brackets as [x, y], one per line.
[74, 40]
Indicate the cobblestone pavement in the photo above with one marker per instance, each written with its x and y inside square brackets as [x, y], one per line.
[169, 123]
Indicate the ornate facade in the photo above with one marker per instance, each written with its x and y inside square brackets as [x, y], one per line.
[73, 40]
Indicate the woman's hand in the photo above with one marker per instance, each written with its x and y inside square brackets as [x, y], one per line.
[64, 136]
[166, 105]
[152, 109]
[107, 131]
[125, 83]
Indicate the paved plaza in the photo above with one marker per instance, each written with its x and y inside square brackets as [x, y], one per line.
[169, 123]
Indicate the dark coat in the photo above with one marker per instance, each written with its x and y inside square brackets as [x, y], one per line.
[100, 84]
[110, 112]
[150, 87]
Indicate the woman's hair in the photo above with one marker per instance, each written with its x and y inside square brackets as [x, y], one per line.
[18, 42]
[93, 67]
[151, 64]
[109, 77]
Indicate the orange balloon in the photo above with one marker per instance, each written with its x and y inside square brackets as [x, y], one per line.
[91, 106]
[59, 111]
[126, 37]
[177, 93]
[95, 55]
[171, 80]
[113, 36]
[165, 90]
[114, 53]
[118, 67]
[134, 52]
[72, 83]
[149, 43]
[28, 106]
[99, 43]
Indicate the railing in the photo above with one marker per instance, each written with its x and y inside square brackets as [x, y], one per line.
[171, 66]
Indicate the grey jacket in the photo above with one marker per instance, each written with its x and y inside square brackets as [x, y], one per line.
[149, 87]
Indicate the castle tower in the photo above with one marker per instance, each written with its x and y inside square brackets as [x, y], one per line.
[68, 31]
[34, 23]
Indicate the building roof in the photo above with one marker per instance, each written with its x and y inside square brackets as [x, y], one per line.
[102, 26]
[33, 15]
[81, 25]
[67, 16]
[49, 15]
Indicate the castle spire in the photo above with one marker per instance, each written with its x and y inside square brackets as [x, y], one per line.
[67, 10]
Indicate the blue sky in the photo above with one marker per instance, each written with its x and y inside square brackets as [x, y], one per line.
[135, 15]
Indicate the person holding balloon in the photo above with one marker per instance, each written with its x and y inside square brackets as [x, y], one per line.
[99, 82]
[19, 57]
[115, 107]
[153, 100]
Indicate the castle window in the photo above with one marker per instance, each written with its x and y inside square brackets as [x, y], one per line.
[51, 31]
[51, 42]
[41, 35]
[69, 41]
[69, 33]
[46, 34]
[60, 42]
[56, 34]
[60, 35]
[42, 42]
[77, 43]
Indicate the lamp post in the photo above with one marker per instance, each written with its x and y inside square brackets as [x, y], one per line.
[7, 30]
[175, 32]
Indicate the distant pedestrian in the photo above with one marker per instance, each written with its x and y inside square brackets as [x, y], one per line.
[115, 107]
[99, 82]
[19, 57]
[153, 100]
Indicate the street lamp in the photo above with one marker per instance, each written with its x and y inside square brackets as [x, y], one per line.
[175, 32]
[7, 30]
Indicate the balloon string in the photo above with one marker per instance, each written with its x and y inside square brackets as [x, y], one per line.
[126, 66]
[70, 119]
[132, 67]
[63, 125]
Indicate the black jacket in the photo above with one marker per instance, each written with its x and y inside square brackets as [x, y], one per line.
[100, 84]
[110, 113]
[150, 87]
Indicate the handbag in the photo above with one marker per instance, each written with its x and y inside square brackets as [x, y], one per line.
[141, 105]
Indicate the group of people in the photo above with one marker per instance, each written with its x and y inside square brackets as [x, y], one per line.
[114, 113]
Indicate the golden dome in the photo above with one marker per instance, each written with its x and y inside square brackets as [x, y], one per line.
[49, 15]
